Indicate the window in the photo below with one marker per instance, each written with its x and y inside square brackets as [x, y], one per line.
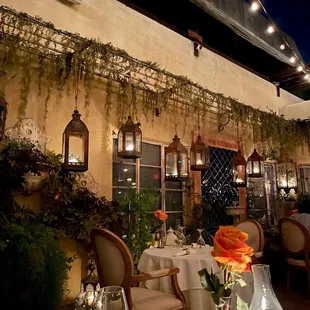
[148, 172]
[262, 196]
[305, 178]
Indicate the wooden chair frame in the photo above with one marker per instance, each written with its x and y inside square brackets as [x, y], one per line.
[129, 279]
[304, 252]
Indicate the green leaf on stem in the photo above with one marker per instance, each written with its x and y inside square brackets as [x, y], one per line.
[241, 304]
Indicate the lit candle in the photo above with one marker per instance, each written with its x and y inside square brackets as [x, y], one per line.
[199, 162]
[90, 300]
[239, 180]
[129, 147]
[256, 170]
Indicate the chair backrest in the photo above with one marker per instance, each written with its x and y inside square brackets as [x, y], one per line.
[255, 234]
[294, 236]
[113, 258]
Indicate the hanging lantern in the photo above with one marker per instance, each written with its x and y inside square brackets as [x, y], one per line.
[176, 161]
[129, 140]
[3, 113]
[238, 170]
[286, 175]
[200, 155]
[255, 165]
[75, 144]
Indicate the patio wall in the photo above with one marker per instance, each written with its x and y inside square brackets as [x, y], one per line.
[144, 39]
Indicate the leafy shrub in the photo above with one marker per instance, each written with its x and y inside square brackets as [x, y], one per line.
[33, 267]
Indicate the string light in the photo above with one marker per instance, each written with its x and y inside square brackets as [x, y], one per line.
[299, 69]
[282, 47]
[307, 77]
[255, 6]
[270, 29]
[292, 59]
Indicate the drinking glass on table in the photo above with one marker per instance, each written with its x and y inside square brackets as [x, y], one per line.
[112, 298]
[181, 239]
[200, 242]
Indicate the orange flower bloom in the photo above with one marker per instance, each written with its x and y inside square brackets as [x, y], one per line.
[161, 215]
[230, 249]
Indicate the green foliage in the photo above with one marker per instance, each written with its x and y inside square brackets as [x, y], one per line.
[135, 79]
[137, 207]
[85, 211]
[211, 283]
[33, 267]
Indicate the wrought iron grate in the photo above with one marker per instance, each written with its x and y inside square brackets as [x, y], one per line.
[217, 190]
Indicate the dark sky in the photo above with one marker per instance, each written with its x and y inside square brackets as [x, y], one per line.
[293, 17]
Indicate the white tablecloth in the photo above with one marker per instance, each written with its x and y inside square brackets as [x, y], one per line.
[188, 278]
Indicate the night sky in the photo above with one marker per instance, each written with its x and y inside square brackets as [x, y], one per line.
[293, 17]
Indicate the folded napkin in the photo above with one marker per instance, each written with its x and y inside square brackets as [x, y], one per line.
[185, 252]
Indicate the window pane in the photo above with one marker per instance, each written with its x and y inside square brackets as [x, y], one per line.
[124, 175]
[173, 185]
[171, 220]
[118, 193]
[115, 158]
[151, 154]
[150, 177]
[174, 201]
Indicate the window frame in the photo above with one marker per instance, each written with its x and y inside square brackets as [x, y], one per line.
[162, 188]
[300, 175]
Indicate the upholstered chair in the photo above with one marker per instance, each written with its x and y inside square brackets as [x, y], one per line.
[255, 237]
[296, 241]
[115, 267]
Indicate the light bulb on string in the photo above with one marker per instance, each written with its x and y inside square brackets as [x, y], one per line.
[282, 47]
[270, 29]
[255, 6]
[292, 59]
[299, 69]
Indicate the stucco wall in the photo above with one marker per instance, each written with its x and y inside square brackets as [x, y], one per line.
[145, 39]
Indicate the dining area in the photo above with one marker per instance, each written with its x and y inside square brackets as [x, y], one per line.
[224, 275]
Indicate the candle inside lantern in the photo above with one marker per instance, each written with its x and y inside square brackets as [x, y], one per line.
[90, 300]
[129, 147]
[199, 159]
[239, 180]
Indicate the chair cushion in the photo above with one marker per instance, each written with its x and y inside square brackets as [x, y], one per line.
[145, 299]
[296, 262]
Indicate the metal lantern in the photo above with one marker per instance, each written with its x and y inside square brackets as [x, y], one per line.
[239, 170]
[3, 113]
[129, 140]
[75, 144]
[286, 175]
[255, 165]
[200, 155]
[176, 161]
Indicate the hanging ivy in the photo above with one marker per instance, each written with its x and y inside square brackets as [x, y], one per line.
[29, 44]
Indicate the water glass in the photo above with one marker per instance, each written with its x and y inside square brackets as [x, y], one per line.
[112, 298]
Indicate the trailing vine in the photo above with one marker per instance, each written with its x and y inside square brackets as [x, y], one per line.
[26, 41]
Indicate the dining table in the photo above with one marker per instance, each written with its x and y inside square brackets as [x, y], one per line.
[188, 278]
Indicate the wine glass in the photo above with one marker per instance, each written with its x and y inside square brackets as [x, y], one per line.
[181, 236]
[200, 242]
[112, 298]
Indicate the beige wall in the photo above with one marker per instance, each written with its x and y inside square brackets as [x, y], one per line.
[145, 39]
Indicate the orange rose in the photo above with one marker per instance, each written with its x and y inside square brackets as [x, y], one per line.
[230, 249]
[161, 215]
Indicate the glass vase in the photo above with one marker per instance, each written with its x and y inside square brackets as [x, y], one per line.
[264, 297]
[225, 303]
